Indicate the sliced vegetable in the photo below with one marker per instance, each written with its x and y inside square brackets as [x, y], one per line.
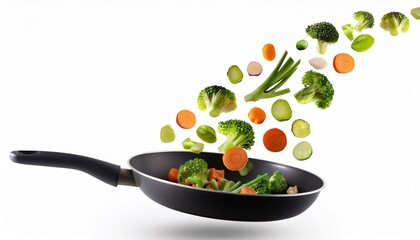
[362, 43]
[257, 115]
[195, 147]
[343, 63]
[269, 52]
[206, 133]
[302, 45]
[274, 140]
[301, 128]
[173, 175]
[247, 190]
[245, 170]
[415, 12]
[235, 158]
[167, 134]
[186, 119]
[254, 68]
[348, 31]
[318, 63]
[281, 110]
[292, 190]
[302, 151]
[235, 74]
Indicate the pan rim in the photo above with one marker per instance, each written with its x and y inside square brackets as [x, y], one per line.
[220, 192]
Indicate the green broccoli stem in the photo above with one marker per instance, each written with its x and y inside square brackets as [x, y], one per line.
[215, 112]
[306, 94]
[250, 183]
[322, 47]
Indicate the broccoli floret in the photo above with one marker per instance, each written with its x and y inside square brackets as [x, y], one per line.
[364, 19]
[195, 171]
[277, 183]
[278, 77]
[317, 88]
[395, 22]
[216, 99]
[238, 134]
[325, 33]
[259, 184]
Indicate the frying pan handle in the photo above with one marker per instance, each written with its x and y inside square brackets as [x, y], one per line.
[104, 171]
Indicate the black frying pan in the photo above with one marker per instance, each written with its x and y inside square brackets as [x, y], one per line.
[150, 170]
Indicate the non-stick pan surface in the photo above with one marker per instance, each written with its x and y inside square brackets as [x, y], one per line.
[149, 172]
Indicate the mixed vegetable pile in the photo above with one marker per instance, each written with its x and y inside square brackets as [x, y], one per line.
[239, 133]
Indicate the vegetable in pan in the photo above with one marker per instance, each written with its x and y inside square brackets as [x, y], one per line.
[216, 99]
[194, 171]
[317, 89]
[238, 134]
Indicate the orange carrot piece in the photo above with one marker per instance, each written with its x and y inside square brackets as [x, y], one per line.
[235, 158]
[173, 175]
[343, 63]
[186, 119]
[274, 140]
[247, 190]
[257, 115]
[269, 52]
[216, 174]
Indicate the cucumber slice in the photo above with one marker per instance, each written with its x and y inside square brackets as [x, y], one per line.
[302, 151]
[167, 134]
[301, 128]
[235, 74]
[281, 110]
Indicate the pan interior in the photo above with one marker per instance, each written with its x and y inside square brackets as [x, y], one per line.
[158, 164]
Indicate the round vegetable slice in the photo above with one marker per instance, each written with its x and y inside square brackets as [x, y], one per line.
[254, 69]
[256, 115]
[167, 134]
[206, 133]
[186, 119]
[301, 128]
[281, 110]
[362, 43]
[235, 158]
[343, 63]
[302, 151]
[274, 140]
[235, 74]
[269, 52]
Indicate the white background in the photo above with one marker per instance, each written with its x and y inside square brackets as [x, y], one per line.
[99, 78]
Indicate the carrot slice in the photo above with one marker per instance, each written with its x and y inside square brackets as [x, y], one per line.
[257, 115]
[274, 140]
[173, 175]
[235, 158]
[247, 190]
[269, 52]
[186, 119]
[343, 63]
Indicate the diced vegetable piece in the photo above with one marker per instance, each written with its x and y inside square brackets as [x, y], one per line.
[254, 68]
[362, 43]
[167, 134]
[186, 119]
[235, 74]
[247, 190]
[302, 45]
[197, 147]
[274, 140]
[318, 63]
[292, 190]
[281, 110]
[343, 63]
[206, 133]
[173, 175]
[245, 170]
[257, 115]
[187, 143]
[415, 12]
[301, 128]
[302, 151]
[269, 52]
[235, 158]
[348, 31]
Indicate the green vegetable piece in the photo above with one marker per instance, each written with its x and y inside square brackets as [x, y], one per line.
[259, 184]
[301, 128]
[194, 170]
[325, 33]
[238, 134]
[245, 170]
[395, 22]
[348, 31]
[278, 77]
[302, 45]
[188, 143]
[364, 19]
[362, 43]
[167, 134]
[281, 110]
[415, 12]
[277, 183]
[235, 74]
[197, 147]
[317, 89]
[216, 99]
[206, 133]
[302, 151]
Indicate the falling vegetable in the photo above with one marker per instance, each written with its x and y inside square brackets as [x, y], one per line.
[343, 63]
[238, 134]
[325, 33]
[216, 99]
[281, 110]
[301, 128]
[348, 31]
[206, 133]
[167, 134]
[194, 147]
[362, 43]
[235, 158]
[254, 68]
[257, 115]
[415, 12]
[274, 140]
[302, 151]
[318, 63]
[186, 119]
[395, 22]
[235, 74]
[317, 88]
[269, 52]
[302, 45]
